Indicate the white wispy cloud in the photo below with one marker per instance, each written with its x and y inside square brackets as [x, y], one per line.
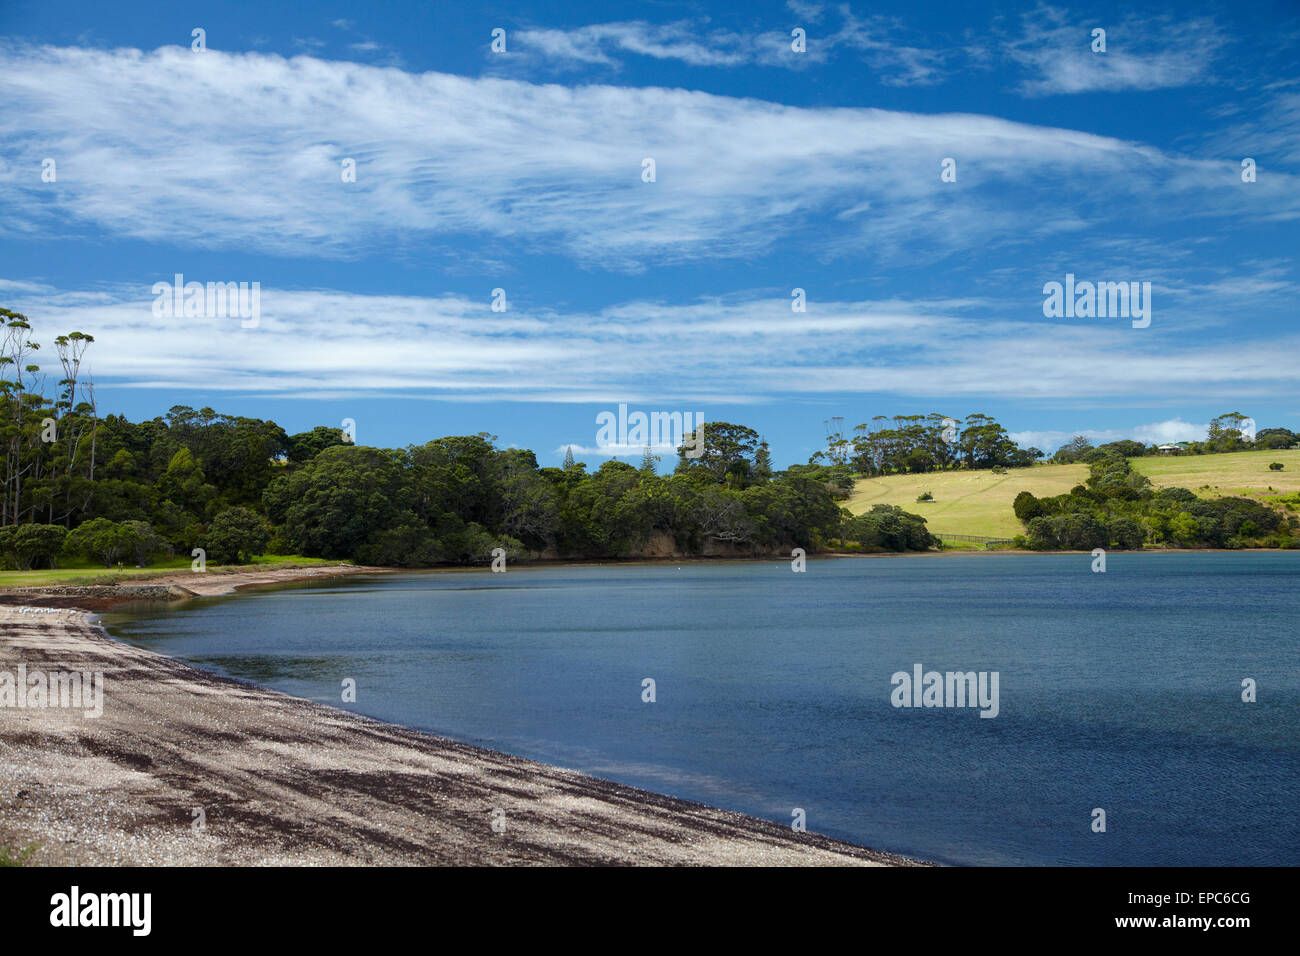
[243, 151]
[880, 42]
[732, 350]
[1264, 126]
[1142, 53]
[812, 12]
[683, 40]
[1053, 47]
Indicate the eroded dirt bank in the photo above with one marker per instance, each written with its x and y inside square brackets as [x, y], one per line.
[285, 781]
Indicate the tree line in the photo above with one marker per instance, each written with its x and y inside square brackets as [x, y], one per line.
[456, 499]
[115, 491]
[1226, 433]
[916, 444]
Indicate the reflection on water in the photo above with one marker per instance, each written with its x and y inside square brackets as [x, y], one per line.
[1119, 691]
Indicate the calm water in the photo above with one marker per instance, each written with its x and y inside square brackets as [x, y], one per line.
[1119, 690]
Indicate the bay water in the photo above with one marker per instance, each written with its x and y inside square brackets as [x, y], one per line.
[774, 691]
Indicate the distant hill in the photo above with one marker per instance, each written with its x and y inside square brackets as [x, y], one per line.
[979, 502]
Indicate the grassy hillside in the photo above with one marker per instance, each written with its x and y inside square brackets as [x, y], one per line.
[1243, 473]
[979, 502]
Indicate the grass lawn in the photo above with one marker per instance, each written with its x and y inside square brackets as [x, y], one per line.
[98, 574]
[979, 502]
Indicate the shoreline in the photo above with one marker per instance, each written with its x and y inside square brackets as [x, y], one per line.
[280, 780]
[228, 580]
[172, 586]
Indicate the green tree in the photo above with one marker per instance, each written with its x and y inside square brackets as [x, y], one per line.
[1027, 507]
[1185, 529]
[184, 484]
[332, 505]
[889, 528]
[235, 536]
[33, 545]
[103, 540]
[147, 543]
[305, 446]
[1226, 432]
[1125, 533]
[648, 460]
[529, 502]
[762, 462]
[725, 453]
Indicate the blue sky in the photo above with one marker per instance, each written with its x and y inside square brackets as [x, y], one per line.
[774, 170]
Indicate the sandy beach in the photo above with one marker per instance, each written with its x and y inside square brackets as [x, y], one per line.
[188, 768]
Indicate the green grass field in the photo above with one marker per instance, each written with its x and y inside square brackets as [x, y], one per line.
[979, 502]
[98, 574]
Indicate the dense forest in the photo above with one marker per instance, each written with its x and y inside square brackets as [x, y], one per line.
[115, 491]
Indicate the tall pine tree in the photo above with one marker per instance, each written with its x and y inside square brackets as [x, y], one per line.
[763, 462]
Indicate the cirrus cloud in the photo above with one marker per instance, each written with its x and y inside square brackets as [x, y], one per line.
[243, 151]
